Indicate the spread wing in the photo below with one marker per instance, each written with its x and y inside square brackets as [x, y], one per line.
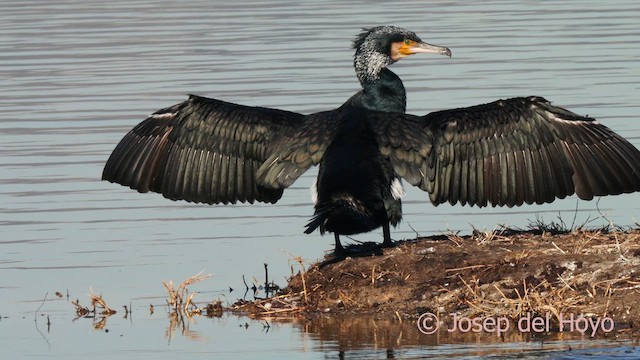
[210, 151]
[509, 152]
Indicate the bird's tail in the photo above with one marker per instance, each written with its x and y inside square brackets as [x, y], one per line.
[336, 214]
[320, 217]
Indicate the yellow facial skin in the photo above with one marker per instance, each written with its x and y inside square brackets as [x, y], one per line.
[402, 49]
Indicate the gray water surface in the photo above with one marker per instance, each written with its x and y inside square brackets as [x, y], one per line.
[77, 75]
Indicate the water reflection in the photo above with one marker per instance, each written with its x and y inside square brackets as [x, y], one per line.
[351, 334]
[359, 332]
[372, 336]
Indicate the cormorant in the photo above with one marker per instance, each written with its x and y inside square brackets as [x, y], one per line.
[508, 152]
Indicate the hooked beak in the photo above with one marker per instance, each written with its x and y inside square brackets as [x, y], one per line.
[428, 48]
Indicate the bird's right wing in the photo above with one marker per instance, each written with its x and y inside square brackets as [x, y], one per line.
[508, 152]
[211, 151]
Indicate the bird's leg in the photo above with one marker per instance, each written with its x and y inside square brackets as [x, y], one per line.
[386, 232]
[339, 249]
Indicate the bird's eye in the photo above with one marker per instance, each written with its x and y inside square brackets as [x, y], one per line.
[407, 42]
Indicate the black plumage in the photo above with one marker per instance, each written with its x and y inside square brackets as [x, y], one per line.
[508, 152]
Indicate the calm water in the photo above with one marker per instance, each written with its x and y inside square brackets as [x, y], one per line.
[76, 75]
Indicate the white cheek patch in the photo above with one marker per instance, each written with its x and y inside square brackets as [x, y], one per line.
[314, 191]
[397, 190]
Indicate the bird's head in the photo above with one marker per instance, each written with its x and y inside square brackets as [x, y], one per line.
[378, 47]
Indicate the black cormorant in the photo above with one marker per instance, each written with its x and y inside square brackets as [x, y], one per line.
[508, 152]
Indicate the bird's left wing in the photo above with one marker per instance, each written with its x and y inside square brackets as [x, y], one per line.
[509, 152]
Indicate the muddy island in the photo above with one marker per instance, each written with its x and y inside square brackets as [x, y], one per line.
[544, 272]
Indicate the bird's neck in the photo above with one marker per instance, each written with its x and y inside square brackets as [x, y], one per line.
[386, 94]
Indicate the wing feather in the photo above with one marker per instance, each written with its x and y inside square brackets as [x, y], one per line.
[509, 152]
[210, 151]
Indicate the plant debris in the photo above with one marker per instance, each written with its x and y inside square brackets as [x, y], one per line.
[180, 301]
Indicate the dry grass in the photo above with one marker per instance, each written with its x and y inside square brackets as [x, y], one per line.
[528, 299]
[561, 291]
[98, 304]
[180, 300]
